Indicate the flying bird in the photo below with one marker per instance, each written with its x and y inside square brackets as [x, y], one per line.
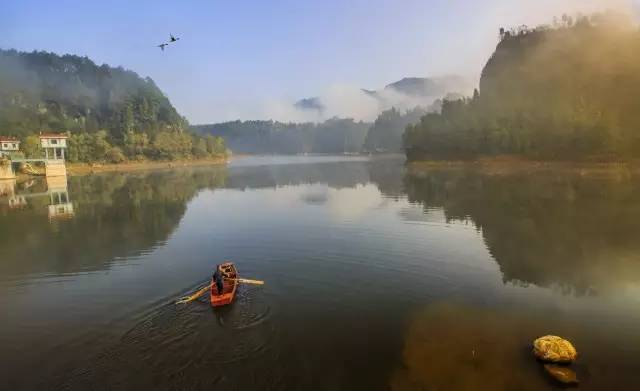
[162, 45]
[172, 38]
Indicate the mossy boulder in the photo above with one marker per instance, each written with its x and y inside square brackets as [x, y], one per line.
[554, 349]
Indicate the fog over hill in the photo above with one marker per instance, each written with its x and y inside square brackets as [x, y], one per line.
[344, 120]
[346, 101]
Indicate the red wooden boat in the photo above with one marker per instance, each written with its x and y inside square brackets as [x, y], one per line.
[229, 276]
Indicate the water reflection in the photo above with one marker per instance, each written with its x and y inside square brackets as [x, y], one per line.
[334, 174]
[8, 197]
[462, 346]
[124, 214]
[356, 255]
[97, 218]
[60, 205]
[16, 195]
[576, 232]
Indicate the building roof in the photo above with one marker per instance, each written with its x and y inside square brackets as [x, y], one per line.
[9, 139]
[52, 135]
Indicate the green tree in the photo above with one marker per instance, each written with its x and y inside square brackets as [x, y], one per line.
[200, 148]
[115, 155]
[136, 144]
[172, 145]
[215, 145]
[85, 147]
[99, 145]
[79, 148]
[32, 147]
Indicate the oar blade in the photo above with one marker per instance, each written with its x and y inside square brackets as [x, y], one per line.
[189, 299]
[247, 281]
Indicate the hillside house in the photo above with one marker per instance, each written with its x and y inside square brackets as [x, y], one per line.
[54, 145]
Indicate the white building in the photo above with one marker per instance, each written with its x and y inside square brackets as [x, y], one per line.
[9, 144]
[53, 145]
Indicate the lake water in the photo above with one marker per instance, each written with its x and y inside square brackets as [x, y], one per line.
[376, 278]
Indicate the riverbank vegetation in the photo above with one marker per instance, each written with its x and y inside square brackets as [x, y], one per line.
[568, 91]
[110, 114]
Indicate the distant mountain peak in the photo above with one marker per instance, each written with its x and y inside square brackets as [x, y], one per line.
[312, 103]
[429, 86]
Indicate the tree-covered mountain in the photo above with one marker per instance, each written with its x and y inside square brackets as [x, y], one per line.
[385, 135]
[336, 135]
[110, 113]
[567, 91]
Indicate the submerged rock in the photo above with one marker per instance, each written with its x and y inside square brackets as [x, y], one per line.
[562, 374]
[554, 349]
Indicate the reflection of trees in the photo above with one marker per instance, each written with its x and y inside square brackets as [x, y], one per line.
[546, 228]
[387, 174]
[116, 215]
[119, 215]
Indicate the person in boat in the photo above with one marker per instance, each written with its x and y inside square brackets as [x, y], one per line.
[217, 278]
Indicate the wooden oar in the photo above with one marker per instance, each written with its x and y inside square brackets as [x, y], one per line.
[246, 281]
[189, 299]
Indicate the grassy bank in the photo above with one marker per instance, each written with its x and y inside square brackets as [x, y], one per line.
[86, 168]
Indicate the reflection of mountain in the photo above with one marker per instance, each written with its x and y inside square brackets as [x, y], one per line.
[334, 174]
[115, 215]
[384, 172]
[545, 228]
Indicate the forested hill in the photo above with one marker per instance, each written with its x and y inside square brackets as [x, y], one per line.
[100, 106]
[336, 135]
[567, 91]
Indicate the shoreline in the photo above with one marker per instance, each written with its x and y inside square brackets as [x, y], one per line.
[505, 165]
[79, 169]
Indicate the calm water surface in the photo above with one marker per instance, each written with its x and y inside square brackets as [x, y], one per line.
[376, 278]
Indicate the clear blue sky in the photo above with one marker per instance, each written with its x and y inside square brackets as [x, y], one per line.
[234, 56]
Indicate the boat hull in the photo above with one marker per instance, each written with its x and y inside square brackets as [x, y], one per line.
[230, 285]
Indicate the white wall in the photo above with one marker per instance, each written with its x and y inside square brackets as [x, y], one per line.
[9, 146]
[47, 143]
